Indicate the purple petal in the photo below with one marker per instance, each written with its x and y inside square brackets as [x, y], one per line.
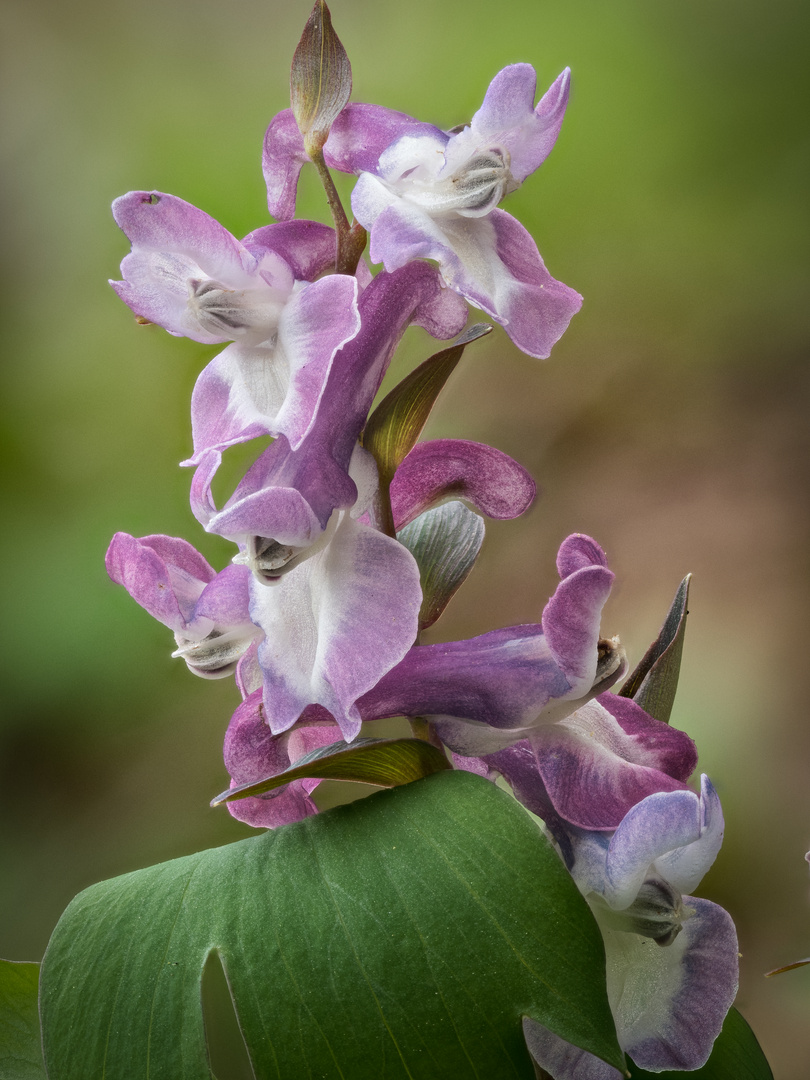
[491, 261]
[164, 574]
[457, 469]
[508, 119]
[173, 241]
[276, 390]
[669, 1003]
[571, 621]
[252, 753]
[335, 624]
[307, 247]
[578, 551]
[595, 771]
[560, 1059]
[356, 140]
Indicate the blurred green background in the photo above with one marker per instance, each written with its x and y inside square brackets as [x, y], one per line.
[670, 422]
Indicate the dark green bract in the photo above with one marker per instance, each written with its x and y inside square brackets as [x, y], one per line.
[401, 936]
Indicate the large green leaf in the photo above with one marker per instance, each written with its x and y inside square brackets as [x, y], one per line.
[382, 762]
[20, 1049]
[736, 1056]
[403, 936]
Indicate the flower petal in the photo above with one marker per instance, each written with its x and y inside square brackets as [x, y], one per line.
[595, 769]
[335, 624]
[669, 1003]
[457, 469]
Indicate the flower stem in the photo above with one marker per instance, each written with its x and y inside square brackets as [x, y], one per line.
[351, 239]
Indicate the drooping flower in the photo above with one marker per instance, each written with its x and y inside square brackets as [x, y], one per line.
[189, 275]
[671, 958]
[435, 197]
[208, 611]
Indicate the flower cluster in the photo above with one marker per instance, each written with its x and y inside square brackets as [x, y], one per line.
[350, 536]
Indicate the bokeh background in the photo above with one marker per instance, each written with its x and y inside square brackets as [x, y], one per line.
[670, 423]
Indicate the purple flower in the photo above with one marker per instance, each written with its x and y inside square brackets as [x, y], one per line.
[189, 275]
[252, 752]
[429, 194]
[434, 196]
[208, 612]
[284, 502]
[489, 692]
[671, 958]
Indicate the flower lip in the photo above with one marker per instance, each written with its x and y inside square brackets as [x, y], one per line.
[215, 656]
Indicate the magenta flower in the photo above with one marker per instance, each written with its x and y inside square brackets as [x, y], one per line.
[208, 612]
[252, 752]
[189, 275]
[669, 999]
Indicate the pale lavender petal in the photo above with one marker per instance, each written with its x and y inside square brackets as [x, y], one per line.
[335, 624]
[164, 574]
[685, 866]
[659, 824]
[669, 1003]
[356, 140]
[560, 1059]
[173, 241]
[276, 389]
[595, 771]
[225, 599]
[508, 119]
[457, 469]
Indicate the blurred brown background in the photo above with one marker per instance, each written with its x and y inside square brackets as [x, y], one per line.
[670, 422]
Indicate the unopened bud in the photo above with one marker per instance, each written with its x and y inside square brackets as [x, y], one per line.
[320, 79]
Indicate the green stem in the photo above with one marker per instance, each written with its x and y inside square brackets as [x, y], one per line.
[351, 239]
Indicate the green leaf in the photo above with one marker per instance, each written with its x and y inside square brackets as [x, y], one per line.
[384, 762]
[403, 936]
[395, 425]
[320, 79]
[445, 542]
[736, 1056]
[20, 1047]
[654, 682]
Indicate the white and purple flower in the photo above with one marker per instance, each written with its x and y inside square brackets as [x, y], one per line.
[189, 275]
[672, 964]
